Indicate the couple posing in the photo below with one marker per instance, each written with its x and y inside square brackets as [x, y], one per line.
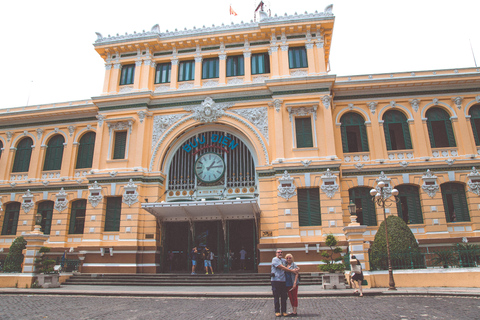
[284, 277]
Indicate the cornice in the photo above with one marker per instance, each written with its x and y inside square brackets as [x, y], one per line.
[377, 172]
[33, 189]
[280, 171]
[64, 121]
[266, 22]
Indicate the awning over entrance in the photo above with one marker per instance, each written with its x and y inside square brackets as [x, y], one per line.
[239, 209]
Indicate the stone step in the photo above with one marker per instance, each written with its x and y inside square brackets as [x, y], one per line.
[182, 279]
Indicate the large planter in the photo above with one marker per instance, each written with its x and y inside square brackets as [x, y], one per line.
[50, 280]
[333, 281]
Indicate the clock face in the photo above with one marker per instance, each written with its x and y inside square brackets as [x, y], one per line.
[209, 167]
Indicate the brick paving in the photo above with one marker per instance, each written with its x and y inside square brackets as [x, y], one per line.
[20, 306]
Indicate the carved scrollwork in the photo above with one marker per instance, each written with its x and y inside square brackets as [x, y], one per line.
[130, 196]
[95, 195]
[61, 202]
[286, 188]
[474, 181]
[28, 202]
[257, 116]
[208, 110]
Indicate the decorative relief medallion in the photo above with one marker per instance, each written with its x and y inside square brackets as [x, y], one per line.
[184, 86]
[329, 185]
[302, 112]
[415, 103]
[130, 196]
[208, 111]
[257, 116]
[141, 115]
[10, 135]
[161, 124]
[28, 202]
[100, 119]
[125, 89]
[372, 106]
[210, 84]
[286, 188]
[430, 185]
[298, 73]
[306, 163]
[95, 195]
[61, 202]
[234, 81]
[161, 88]
[474, 181]
[71, 130]
[326, 100]
[458, 102]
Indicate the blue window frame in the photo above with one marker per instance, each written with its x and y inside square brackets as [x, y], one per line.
[297, 57]
[162, 73]
[186, 70]
[235, 66]
[260, 63]
[210, 68]
[128, 74]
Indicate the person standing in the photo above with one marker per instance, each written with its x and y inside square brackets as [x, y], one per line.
[358, 275]
[291, 281]
[279, 287]
[193, 257]
[208, 257]
[243, 255]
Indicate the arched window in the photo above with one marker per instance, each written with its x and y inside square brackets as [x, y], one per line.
[11, 219]
[54, 155]
[85, 150]
[397, 134]
[77, 216]
[22, 155]
[354, 133]
[409, 207]
[474, 113]
[440, 128]
[45, 208]
[365, 207]
[455, 202]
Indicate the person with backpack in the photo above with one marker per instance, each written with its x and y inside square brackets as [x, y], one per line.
[208, 257]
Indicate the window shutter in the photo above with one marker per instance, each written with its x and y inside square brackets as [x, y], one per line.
[23, 155]
[415, 207]
[85, 151]
[386, 131]
[368, 209]
[11, 214]
[430, 133]
[113, 213]
[460, 203]
[120, 145]
[344, 138]
[309, 207]
[54, 154]
[406, 135]
[46, 210]
[77, 212]
[474, 117]
[450, 135]
[303, 131]
[363, 137]
[73, 217]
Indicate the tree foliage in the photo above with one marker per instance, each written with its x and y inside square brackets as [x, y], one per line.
[332, 257]
[14, 259]
[404, 250]
[43, 264]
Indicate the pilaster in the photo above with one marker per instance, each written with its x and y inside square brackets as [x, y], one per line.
[310, 58]
[107, 78]
[174, 74]
[222, 69]
[197, 82]
[114, 78]
[247, 57]
[328, 127]
[138, 75]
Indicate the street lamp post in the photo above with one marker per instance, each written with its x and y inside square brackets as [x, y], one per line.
[380, 196]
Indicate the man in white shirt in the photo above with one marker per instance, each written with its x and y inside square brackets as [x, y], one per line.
[279, 287]
[243, 254]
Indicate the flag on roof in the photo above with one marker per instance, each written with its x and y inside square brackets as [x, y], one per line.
[232, 12]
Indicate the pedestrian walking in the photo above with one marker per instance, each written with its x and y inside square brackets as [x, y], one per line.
[193, 257]
[243, 255]
[292, 281]
[279, 287]
[207, 258]
[357, 278]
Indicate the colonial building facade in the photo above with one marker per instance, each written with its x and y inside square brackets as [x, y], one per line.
[237, 136]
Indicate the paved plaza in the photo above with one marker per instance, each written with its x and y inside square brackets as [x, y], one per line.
[20, 306]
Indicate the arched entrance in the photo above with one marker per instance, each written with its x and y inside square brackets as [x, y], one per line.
[211, 199]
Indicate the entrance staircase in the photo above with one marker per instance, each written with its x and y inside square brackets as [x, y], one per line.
[183, 279]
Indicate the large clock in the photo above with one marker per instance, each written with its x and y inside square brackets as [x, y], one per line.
[209, 167]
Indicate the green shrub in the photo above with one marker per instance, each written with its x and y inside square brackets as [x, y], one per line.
[468, 254]
[332, 257]
[14, 259]
[404, 250]
[445, 258]
[43, 264]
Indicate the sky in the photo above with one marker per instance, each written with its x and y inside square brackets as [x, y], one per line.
[48, 54]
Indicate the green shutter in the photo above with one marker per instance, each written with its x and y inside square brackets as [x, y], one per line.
[459, 199]
[368, 208]
[363, 137]
[406, 135]
[54, 154]
[309, 207]
[413, 206]
[23, 155]
[113, 214]
[450, 134]
[303, 131]
[386, 131]
[85, 151]
[430, 133]
[46, 210]
[77, 217]
[11, 218]
[475, 115]
[120, 145]
[344, 138]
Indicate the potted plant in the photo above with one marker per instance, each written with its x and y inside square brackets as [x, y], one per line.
[47, 277]
[332, 265]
